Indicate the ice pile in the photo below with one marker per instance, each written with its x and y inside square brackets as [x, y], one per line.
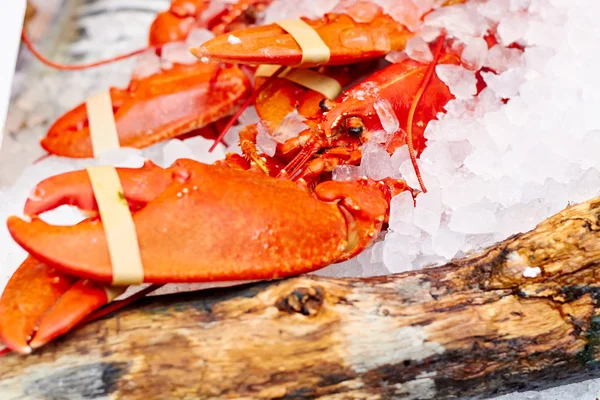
[492, 167]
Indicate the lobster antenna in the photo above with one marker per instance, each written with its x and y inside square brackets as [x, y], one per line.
[413, 107]
[77, 67]
[246, 104]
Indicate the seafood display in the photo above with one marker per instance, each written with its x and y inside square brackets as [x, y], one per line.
[365, 78]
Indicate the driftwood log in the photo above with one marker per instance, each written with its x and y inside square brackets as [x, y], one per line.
[475, 328]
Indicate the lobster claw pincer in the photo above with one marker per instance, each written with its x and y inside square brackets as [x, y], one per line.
[140, 186]
[189, 97]
[41, 303]
[217, 224]
[349, 42]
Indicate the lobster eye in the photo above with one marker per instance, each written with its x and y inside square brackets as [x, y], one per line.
[325, 104]
[355, 130]
[354, 126]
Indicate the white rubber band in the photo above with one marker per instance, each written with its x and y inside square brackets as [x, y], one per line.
[308, 78]
[103, 128]
[314, 50]
[119, 228]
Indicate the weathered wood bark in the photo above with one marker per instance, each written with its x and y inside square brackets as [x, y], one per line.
[472, 329]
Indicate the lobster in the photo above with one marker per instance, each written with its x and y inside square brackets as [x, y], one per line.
[69, 135]
[178, 211]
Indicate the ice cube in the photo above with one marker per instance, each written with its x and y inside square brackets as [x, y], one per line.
[123, 158]
[542, 34]
[360, 11]
[500, 129]
[399, 251]
[458, 20]
[461, 82]
[379, 137]
[449, 130]
[459, 152]
[376, 161]
[346, 173]
[507, 84]
[395, 57]
[461, 193]
[428, 211]
[402, 210]
[534, 57]
[265, 141]
[200, 146]
[512, 28]
[505, 191]
[587, 187]
[475, 219]
[521, 217]
[437, 154]
[418, 50]
[500, 58]
[290, 127]
[474, 53]
[387, 116]
[485, 102]
[447, 243]
[407, 12]
[494, 10]
[485, 163]
[430, 33]
[398, 158]
[176, 149]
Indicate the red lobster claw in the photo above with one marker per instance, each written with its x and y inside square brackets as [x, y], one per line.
[349, 42]
[188, 97]
[41, 303]
[182, 234]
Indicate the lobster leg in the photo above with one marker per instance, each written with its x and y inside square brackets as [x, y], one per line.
[41, 303]
[189, 97]
[214, 223]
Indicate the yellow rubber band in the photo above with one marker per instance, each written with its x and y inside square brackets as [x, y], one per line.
[314, 49]
[119, 228]
[103, 128]
[112, 292]
[308, 78]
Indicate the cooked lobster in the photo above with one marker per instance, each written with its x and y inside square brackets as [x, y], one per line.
[283, 213]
